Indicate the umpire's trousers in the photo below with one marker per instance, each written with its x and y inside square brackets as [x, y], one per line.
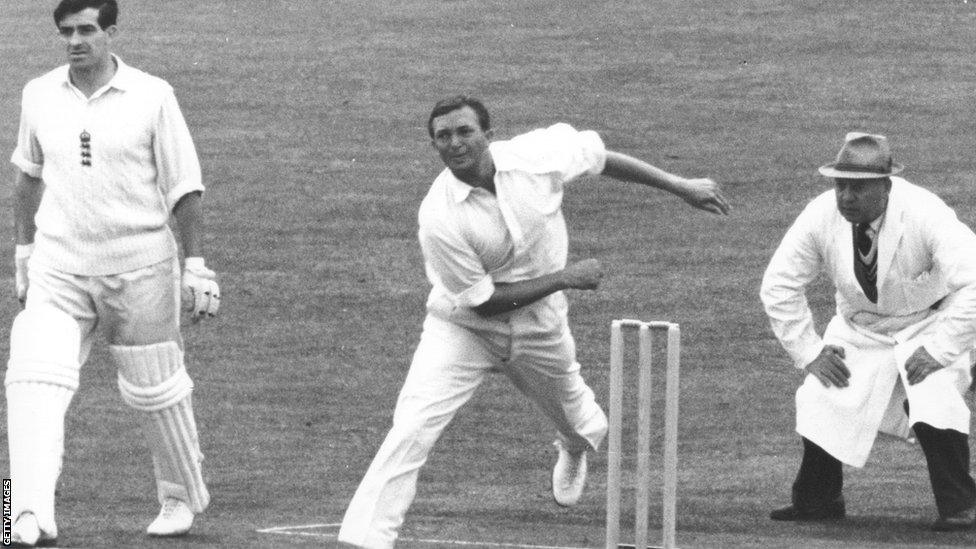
[821, 478]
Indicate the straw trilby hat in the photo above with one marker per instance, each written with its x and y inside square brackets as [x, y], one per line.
[863, 156]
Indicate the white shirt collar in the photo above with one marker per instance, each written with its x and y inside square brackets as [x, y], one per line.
[876, 224]
[460, 191]
[121, 80]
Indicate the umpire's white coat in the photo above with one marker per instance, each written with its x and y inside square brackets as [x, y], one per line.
[925, 255]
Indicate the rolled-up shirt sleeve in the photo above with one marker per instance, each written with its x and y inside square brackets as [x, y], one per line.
[559, 149]
[454, 266]
[584, 150]
[592, 151]
[28, 156]
[178, 168]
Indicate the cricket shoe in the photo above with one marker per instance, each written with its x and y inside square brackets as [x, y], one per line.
[963, 520]
[25, 532]
[175, 519]
[568, 476]
[831, 510]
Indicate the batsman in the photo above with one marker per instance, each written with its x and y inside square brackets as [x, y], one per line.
[495, 248]
[104, 160]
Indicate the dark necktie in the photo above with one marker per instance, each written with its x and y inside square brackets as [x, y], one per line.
[866, 261]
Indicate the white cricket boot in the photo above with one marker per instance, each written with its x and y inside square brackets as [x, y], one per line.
[568, 476]
[174, 519]
[26, 532]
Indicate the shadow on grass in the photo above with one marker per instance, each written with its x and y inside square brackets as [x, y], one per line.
[871, 529]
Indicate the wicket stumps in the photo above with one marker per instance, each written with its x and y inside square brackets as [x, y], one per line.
[642, 478]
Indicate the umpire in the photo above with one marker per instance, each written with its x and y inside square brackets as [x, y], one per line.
[895, 355]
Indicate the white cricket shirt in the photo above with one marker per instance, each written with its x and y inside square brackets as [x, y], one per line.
[113, 166]
[471, 238]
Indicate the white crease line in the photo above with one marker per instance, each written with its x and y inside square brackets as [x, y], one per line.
[285, 529]
[290, 531]
[488, 544]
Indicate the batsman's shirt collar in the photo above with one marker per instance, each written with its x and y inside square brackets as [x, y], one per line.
[122, 80]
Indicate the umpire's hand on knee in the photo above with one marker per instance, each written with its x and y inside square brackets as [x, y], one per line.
[920, 365]
[201, 295]
[829, 367]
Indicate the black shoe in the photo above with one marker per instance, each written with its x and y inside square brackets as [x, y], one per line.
[834, 510]
[963, 520]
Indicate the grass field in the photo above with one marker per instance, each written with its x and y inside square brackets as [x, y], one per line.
[309, 119]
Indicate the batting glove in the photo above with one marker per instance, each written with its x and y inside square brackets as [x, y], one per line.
[22, 253]
[201, 295]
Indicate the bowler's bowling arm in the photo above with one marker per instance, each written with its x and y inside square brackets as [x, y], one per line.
[703, 194]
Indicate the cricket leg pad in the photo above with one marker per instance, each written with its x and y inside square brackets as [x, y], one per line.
[153, 380]
[41, 379]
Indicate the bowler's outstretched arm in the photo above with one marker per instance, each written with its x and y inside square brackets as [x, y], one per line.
[703, 194]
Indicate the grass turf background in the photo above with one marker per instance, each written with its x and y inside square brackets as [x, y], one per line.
[310, 120]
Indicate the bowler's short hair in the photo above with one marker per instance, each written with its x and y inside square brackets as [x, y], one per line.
[108, 10]
[451, 104]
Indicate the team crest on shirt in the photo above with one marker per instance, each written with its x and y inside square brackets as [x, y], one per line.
[86, 156]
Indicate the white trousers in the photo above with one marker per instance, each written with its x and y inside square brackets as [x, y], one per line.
[139, 307]
[449, 364]
[135, 308]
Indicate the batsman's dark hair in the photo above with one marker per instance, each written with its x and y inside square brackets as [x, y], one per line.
[108, 10]
[454, 103]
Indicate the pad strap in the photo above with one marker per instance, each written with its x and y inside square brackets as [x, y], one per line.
[152, 377]
[166, 394]
[45, 343]
[43, 372]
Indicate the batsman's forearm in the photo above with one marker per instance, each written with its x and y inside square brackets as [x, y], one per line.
[510, 296]
[28, 192]
[189, 222]
[627, 168]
